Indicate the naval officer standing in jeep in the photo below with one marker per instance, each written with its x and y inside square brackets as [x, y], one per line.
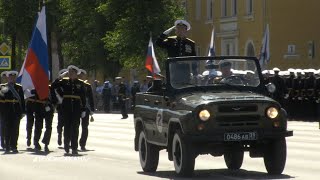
[178, 45]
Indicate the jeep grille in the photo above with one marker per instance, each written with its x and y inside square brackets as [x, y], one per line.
[237, 108]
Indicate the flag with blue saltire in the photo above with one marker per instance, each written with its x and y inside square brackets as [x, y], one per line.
[264, 58]
[34, 73]
[151, 63]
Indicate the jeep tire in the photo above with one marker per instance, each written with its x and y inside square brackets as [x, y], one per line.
[183, 155]
[275, 156]
[233, 158]
[148, 154]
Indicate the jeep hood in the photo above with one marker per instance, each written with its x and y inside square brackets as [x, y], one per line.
[196, 99]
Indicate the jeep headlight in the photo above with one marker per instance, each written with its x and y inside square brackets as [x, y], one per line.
[204, 115]
[272, 112]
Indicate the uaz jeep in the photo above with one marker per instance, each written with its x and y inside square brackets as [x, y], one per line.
[210, 105]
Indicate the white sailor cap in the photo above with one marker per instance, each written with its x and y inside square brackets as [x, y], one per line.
[62, 71]
[107, 82]
[4, 73]
[265, 72]
[149, 77]
[183, 22]
[13, 73]
[82, 71]
[276, 69]
[73, 67]
[291, 70]
[135, 82]
[118, 78]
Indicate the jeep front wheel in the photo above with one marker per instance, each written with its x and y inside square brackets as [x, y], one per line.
[234, 158]
[148, 154]
[275, 156]
[183, 155]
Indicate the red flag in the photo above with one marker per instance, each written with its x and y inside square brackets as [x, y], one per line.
[151, 60]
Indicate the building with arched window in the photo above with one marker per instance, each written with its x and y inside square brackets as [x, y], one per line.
[240, 24]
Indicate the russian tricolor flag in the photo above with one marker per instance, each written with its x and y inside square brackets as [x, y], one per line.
[151, 60]
[34, 73]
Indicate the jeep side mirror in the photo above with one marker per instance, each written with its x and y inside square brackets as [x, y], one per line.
[271, 87]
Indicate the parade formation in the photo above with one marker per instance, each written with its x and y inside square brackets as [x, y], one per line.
[200, 104]
[70, 95]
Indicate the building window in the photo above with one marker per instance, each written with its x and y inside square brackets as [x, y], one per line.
[224, 8]
[234, 8]
[249, 7]
[198, 9]
[209, 9]
[291, 49]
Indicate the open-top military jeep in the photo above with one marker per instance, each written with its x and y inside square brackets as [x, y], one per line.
[210, 105]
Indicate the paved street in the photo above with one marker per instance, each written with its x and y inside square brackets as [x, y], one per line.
[111, 155]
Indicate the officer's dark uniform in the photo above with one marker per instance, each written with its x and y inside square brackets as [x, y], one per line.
[279, 83]
[106, 95]
[60, 124]
[15, 107]
[176, 46]
[73, 104]
[85, 121]
[134, 90]
[35, 111]
[122, 96]
[2, 124]
[44, 111]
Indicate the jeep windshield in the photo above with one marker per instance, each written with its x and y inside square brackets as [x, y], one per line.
[201, 72]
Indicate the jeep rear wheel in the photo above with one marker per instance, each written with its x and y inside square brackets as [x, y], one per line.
[183, 155]
[275, 156]
[148, 154]
[234, 158]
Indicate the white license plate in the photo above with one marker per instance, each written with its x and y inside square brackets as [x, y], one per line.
[241, 136]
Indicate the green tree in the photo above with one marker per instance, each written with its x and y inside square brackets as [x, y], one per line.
[18, 17]
[131, 23]
[82, 29]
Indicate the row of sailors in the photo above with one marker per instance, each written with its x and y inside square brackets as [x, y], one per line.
[71, 96]
[297, 85]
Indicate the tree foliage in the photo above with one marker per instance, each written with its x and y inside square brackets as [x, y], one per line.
[132, 22]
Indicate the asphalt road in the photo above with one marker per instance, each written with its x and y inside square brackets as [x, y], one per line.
[111, 156]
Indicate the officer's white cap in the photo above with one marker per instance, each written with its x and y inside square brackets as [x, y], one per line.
[276, 69]
[4, 73]
[62, 71]
[73, 67]
[184, 22]
[14, 73]
[82, 71]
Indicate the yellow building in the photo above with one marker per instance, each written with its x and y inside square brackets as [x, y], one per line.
[240, 24]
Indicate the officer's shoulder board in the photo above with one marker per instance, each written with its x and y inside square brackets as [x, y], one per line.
[190, 40]
[170, 38]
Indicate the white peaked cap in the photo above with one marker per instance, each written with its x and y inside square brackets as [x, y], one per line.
[15, 73]
[184, 22]
[73, 67]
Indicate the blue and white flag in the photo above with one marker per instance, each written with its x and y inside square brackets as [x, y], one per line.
[264, 58]
[212, 48]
